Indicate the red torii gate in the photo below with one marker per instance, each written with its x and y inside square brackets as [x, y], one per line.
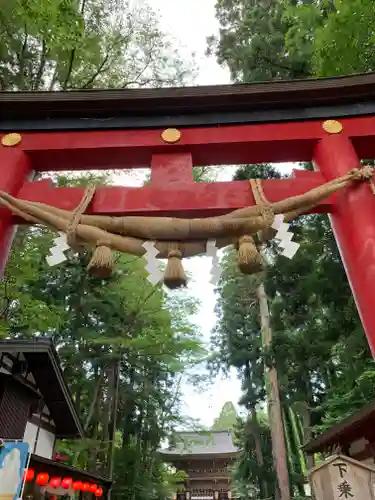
[216, 126]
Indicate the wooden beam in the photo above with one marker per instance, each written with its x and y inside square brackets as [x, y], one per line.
[179, 199]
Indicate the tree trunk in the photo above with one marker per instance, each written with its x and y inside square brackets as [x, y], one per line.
[138, 448]
[94, 401]
[128, 410]
[289, 443]
[306, 418]
[113, 406]
[263, 486]
[297, 440]
[107, 408]
[274, 405]
[307, 433]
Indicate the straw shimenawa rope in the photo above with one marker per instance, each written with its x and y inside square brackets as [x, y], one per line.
[249, 258]
[71, 233]
[101, 263]
[177, 238]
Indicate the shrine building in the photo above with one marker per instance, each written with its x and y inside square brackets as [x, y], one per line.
[353, 437]
[36, 407]
[206, 458]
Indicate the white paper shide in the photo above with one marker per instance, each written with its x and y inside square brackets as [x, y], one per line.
[57, 255]
[212, 252]
[284, 237]
[153, 264]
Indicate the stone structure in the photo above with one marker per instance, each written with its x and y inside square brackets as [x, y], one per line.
[205, 457]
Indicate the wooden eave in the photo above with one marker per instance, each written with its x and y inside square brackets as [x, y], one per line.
[189, 106]
[45, 365]
[360, 424]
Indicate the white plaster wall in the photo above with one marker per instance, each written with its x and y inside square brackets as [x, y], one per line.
[46, 440]
[45, 444]
[31, 431]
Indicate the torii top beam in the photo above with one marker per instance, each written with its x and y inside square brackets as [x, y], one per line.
[270, 102]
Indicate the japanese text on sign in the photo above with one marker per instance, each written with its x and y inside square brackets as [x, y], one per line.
[344, 488]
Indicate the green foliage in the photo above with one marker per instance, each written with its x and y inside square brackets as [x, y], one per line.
[20, 310]
[54, 44]
[288, 39]
[336, 37]
[252, 41]
[345, 43]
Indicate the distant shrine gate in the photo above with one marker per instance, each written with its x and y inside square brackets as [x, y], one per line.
[331, 122]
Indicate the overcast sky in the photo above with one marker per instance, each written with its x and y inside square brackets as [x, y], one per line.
[191, 22]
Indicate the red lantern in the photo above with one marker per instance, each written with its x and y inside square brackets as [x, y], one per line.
[67, 482]
[93, 488]
[42, 478]
[99, 492]
[55, 482]
[28, 475]
[85, 486]
[77, 485]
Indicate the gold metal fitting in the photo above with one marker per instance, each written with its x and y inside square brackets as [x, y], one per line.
[10, 140]
[332, 127]
[171, 135]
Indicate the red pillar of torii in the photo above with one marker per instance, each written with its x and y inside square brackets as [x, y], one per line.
[334, 146]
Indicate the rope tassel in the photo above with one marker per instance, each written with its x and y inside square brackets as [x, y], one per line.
[249, 259]
[101, 263]
[174, 274]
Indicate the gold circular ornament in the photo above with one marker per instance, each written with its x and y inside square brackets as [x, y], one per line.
[332, 127]
[10, 140]
[171, 135]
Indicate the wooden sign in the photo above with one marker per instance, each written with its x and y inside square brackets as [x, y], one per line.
[342, 478]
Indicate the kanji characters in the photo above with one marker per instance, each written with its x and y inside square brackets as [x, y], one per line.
[345, 490]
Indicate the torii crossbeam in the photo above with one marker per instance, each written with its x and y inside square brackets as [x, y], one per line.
[216, 126]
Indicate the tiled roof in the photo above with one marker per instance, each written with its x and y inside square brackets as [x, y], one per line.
[202, 443]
